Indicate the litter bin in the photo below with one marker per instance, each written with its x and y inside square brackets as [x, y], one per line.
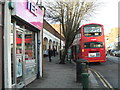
[81, 67]
[85, 80]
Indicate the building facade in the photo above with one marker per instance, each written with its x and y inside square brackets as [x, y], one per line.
[51, 38]
[119, 38]
[57, 28]
[51, 41]
[23, 25]
[22, 42]
[112, 39]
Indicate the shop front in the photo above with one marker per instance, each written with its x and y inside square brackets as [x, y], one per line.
[26, 27]
[1, 44]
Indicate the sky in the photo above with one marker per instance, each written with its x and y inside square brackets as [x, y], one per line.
[107, 15]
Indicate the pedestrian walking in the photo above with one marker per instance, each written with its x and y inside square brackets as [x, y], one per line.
[109, 51]
[50, 54]
[54, 52]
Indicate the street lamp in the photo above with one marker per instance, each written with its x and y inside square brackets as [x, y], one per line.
[41, 7]
[60, 41]
[40, 62]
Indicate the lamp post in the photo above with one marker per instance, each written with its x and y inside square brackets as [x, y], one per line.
[43, 9]
[40, 62]
[60, 41]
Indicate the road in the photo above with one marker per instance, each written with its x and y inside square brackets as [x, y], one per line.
[109, 70]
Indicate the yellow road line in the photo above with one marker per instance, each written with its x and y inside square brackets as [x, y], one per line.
[102, 79]
[107, 82]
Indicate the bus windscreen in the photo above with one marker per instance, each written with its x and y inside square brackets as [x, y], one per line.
[92, 30]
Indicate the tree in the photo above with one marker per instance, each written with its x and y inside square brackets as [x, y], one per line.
[70, 14]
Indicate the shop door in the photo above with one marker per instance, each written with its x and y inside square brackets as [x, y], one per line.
[25, 57]
[19, 58]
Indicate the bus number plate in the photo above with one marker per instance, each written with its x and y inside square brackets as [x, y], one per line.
[94, 55]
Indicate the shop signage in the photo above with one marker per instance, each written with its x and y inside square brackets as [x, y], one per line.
[32, 7]
[29, 12]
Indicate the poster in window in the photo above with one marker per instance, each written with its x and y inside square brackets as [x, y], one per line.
[19, 65]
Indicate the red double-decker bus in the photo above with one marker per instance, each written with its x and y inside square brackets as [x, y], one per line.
[89, 43]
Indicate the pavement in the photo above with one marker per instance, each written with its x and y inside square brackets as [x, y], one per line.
[57, 75]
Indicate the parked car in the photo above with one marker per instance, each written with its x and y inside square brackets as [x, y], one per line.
[117, 53]
[114, 53]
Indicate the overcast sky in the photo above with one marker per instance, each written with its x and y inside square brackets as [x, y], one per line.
[107, 15]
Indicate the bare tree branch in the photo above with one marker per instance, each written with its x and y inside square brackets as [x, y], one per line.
[70, 13]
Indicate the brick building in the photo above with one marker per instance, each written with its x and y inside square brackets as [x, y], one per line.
[57, 28]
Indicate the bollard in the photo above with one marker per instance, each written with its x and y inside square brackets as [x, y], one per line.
[81, 67]
[85, 80]
[78, 71]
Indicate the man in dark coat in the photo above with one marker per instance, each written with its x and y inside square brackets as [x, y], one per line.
[50, 54]
[54, 52]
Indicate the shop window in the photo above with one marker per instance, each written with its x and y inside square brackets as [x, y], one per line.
[19, 59]
[29, 45]
[30, 54]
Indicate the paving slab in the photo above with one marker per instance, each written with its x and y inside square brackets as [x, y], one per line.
[56, 75]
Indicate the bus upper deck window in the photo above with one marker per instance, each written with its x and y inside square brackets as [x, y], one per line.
[92, 30]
